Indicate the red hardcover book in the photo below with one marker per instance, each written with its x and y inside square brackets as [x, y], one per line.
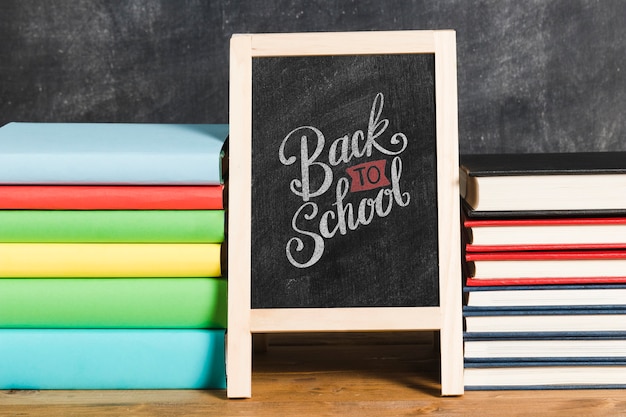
[471, 282]
[547, 267]
[489, 235]
[111, 197]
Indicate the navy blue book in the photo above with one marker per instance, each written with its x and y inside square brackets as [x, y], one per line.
[543, 347]
[509, 375]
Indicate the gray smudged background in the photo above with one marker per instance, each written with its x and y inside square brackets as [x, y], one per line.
[534, 76]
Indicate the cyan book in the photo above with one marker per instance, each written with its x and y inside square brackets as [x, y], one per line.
[112, 359]
[111, 153]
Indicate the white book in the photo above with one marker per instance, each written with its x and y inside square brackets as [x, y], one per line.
[545, 348]
[562, 376]
[547, 297]
[586, 322]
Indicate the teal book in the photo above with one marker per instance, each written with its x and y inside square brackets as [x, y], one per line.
[112, 359]
[111, 153]
[111, 226]
[113, 303]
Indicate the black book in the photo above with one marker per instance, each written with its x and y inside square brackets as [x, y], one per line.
[586, 183]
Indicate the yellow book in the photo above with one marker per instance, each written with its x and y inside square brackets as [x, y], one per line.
[84, 260]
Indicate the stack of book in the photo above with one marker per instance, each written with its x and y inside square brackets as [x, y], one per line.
[110, 243]
[545, 252]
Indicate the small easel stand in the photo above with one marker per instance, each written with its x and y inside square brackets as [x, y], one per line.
[243, 321]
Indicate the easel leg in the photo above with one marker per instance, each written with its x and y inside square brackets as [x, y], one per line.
[451, 348]
[239, 364]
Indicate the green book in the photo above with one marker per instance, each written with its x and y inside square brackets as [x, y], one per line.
[113, 303]
[112, 226]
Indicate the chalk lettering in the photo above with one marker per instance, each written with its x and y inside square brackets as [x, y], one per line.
[343, 215]
[318, 241]
[311, 225]
[302, 187]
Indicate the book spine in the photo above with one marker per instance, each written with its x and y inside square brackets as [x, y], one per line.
[109, 260]
[112, 226]
[113, 303]
[112, 359]
[111, 197]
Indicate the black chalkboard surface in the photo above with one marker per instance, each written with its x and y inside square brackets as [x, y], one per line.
[344, 165]
[533, 76]
[343, 190]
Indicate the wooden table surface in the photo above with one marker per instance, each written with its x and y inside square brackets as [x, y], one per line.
[356, 375]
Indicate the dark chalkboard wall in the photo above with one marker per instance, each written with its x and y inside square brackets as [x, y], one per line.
[533, 76]
[376, 191]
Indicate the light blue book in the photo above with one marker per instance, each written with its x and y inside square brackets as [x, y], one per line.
[111, 153]
[112, 359]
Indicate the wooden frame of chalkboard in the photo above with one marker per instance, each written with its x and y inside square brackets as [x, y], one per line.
[343, 211]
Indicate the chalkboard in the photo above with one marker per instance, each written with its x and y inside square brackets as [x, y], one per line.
[343, 189]
[533, 76]
[359, 192]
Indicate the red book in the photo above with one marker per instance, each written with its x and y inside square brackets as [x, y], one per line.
[547, 267]
[471, 282]
[111, 197]
[488, 235]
